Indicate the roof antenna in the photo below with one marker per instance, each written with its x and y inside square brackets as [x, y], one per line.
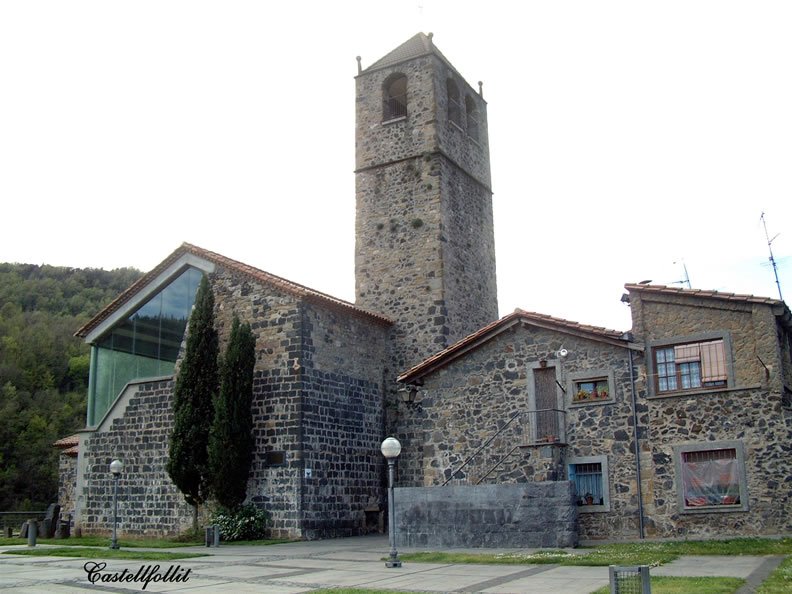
[686, 280]
[772, 259]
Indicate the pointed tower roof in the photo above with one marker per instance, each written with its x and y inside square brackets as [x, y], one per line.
[418, 45]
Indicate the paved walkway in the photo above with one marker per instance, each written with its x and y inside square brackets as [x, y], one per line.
[348, 562]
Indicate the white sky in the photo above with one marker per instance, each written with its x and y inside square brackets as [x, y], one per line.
[624, 137]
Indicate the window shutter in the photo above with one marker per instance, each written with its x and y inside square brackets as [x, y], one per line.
[713, 362]
[686, 353]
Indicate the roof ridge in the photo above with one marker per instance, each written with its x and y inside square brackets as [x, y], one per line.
[296, 289]
[703, 293]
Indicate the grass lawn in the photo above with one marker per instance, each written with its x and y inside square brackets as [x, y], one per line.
[780, 581]
[147, 543]
[103, 541]
[638, 553]
[104, 553]
[689, 585]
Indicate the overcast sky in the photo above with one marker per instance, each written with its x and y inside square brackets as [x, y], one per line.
[626, 137]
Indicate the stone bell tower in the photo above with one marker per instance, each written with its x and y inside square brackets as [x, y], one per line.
[425, 248]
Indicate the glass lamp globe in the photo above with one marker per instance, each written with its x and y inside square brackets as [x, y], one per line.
[390, 447]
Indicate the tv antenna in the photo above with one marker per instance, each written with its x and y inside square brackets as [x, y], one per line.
[686, 280]
[772, 259]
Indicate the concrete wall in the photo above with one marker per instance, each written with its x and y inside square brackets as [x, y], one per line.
[538, 514]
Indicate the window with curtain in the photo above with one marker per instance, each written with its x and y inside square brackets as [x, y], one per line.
[710, 478]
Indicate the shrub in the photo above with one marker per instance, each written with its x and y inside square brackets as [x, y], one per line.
[246, 523]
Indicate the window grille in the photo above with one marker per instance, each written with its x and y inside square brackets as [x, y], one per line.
[630, 580]
[395, 98]
[588, 483]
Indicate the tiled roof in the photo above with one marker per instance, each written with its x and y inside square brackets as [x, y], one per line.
[494, 328]
[418, 45]
[299, 291]
[72, 451]
[666, 290]
[67, 442]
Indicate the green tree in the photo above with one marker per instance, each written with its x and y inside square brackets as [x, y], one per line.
[193, 406]
[231, 437]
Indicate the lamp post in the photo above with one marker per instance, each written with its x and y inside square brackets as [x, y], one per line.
[391, 448]
[116, 467]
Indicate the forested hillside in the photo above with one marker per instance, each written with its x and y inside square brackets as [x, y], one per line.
[44, 370]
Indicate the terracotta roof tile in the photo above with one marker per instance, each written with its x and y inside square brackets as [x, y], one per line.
[447, 354]
[295, 289]
[67, 442]
[72, 451]
[666, 290]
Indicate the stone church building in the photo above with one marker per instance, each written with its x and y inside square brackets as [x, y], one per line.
[682, 426]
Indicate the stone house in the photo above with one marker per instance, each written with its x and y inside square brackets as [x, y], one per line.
[681, 427]
[633, 422]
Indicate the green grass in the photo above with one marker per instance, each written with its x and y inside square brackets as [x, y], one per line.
[103, 541]
[638, 553]
[106, 553]
[780, 581]
[256, 543]
[689, 585]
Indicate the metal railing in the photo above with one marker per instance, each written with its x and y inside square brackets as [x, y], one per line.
[15, 519]
[535, 428]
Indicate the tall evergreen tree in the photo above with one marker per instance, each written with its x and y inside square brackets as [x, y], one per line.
[231, 437]
[193, 409]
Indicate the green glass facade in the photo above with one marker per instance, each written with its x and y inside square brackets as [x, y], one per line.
[144, 345]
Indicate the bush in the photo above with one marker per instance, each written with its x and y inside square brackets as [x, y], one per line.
[246, 523]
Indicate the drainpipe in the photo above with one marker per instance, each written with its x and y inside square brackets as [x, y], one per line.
[637, 449]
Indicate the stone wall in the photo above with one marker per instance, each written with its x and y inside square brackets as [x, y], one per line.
[317, 406]
[275, 320]
[752, 417]
[342, 423]
[748, 411]
[466, 402]
[67, 484]
[424, 251]
[149, 504]
[536, 514]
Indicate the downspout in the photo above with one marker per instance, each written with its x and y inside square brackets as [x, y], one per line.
[636, 448]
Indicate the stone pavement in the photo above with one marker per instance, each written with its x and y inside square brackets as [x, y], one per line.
[347, 562]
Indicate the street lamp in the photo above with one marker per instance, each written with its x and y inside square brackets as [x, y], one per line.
[116, 467]
[391, 448]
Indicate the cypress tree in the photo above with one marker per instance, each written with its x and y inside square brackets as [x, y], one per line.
[194, 393]
[231, 437]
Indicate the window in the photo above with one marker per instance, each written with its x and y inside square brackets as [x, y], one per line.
[593, 386]
[590, 477]
[691, 366]
[145, 344]
[472, 118]
[454, 105]
[711, 478]
[394, 99]
[591, 390]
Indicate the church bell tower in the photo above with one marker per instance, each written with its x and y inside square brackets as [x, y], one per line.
[425, 248]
